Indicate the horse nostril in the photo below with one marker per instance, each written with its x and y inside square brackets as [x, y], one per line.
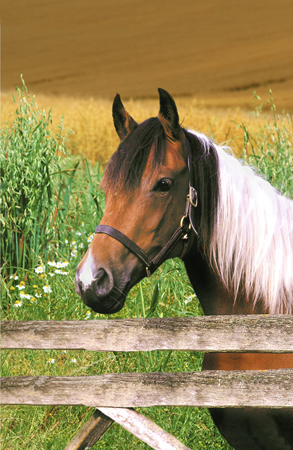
[89, 282]
[100, 275]
[103, 281]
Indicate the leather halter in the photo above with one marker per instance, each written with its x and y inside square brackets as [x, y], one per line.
[182, 232]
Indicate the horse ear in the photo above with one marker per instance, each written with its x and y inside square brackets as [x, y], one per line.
[168, 115]
[123, 122]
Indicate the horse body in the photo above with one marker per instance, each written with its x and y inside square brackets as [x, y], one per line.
[243, 428]
[238, 249]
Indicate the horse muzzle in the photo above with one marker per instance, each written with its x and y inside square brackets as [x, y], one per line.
[98, 291]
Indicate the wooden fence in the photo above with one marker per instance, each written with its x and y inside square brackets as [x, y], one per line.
[114, 394]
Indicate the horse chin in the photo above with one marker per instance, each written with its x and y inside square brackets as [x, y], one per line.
[105, 309]
[105, 305]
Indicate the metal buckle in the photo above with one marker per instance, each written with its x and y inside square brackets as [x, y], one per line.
[181, 225]
[193, 194]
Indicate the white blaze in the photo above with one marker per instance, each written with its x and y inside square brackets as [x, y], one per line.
[86, 274]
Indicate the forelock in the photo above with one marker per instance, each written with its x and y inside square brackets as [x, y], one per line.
[127, 164]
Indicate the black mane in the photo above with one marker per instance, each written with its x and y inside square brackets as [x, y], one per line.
[204, 177]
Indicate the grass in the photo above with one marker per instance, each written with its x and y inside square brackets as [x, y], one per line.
[30, 175]
[42, 287]
[270, 149]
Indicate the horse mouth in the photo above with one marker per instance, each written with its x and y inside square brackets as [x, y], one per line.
[111, 303]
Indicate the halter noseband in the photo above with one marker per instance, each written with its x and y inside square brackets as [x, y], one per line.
[182, 232]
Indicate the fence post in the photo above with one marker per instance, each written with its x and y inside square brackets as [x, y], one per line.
[90, 432]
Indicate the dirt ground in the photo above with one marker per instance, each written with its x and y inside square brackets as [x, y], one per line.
[218, 51]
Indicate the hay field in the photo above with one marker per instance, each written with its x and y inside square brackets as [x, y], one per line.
[94, 134]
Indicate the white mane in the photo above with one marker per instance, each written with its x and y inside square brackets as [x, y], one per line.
[252, 242]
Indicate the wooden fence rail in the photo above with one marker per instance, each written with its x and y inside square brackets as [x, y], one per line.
[252, 333]
[114, 394]
[212, 388]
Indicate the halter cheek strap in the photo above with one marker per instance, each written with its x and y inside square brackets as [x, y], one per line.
[182, 232]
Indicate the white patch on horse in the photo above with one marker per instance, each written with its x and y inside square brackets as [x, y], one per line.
[86, 275]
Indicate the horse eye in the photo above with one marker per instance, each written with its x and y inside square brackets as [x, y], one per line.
[163, 185]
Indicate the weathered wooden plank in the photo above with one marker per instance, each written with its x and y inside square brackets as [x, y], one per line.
[137, 424]
[211, 333]
[270, 388]
[90, 432]
[143, 428]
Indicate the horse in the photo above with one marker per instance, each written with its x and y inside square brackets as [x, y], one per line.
[172, 192]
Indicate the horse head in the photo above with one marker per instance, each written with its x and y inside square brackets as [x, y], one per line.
[146, 184]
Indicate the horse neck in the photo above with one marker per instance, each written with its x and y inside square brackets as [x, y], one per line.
[213, 295]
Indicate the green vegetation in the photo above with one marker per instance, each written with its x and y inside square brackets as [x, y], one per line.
[31, 184]
[50, 207]
[270, 148]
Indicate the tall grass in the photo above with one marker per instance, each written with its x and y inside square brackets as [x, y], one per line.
[270, 147]
[31, 184]
[45, 289]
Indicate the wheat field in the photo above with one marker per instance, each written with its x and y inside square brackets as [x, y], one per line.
[93, 134]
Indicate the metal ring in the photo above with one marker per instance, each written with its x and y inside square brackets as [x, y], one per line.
[191, 189]
[182, 222]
